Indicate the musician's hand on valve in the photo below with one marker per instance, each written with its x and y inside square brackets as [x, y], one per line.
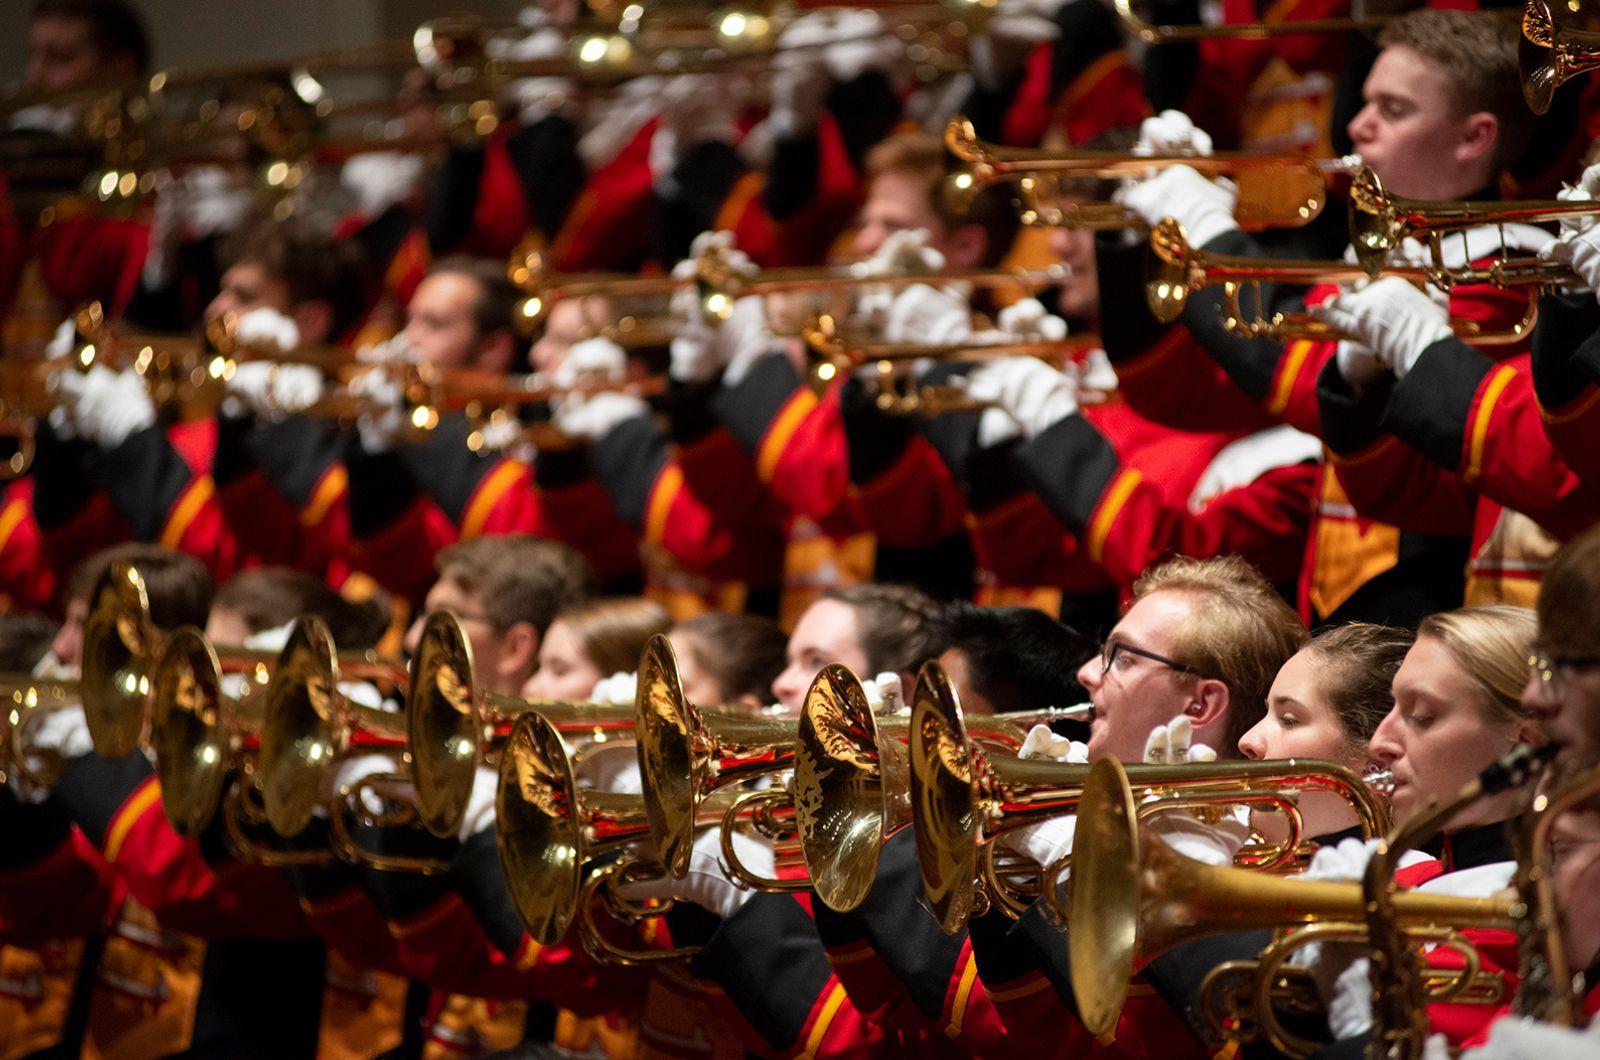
[1341, 969]
[1204, 207]
[707, 883]
[105, 407]
[1172, 132]
[1391, 317]
[1586, 190]
[1031, 394]
[593, 416]
[266, 329]
[1358, 363]
[273, 390]
[591, 361]
[1173, 743]
[380, 425]
[1045, 744]
[620, 687]
[1580, 252]
[1027, 320]
[924, 314]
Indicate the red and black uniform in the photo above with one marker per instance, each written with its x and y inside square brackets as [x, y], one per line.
[1081, 84]
[1566, 377]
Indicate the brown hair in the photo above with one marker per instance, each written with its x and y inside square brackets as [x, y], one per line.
[1568, 595]
[1489, 642]
[1239, 632]
[178, 586]
[921, 156]
[24, 639]
[744, 654]
[497, 300]
[899, 628]
[612, 633]
[519, 577]
[269, 597]
[1478, 54]
[313, 265]
[1356, 667]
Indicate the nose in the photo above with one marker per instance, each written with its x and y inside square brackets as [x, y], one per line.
[414, 633]
[1537, 698]
[1089, 675]
[869, 237]
[1385, 746]
[1253, 744]
[785, 687]
[1362, 126]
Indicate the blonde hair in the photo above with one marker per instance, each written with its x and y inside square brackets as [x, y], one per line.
[612, 633]
[1490, 643]
[1240, 631]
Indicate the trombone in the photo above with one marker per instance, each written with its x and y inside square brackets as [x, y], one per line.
[1133, 897]
[1552, 51]
[1151, 33]
[1275, 191]
[453, 725]
[1175, 270]
[1380, 221]
[963, 798]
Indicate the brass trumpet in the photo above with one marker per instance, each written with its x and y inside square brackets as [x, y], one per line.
[1133, 897]
[24, 702]
[1552, 51]
[686, 755]
[1170, 34]
[851, 780]
[453, 725]
[1380, 221]
[963, 798]
[1275, 191]
[1175, 270]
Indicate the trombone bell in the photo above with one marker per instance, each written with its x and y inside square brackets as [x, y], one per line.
[118, 640]
[188, 732]
[306, 726]
[443, 730]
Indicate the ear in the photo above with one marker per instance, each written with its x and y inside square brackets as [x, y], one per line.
[1479, 134]
[315, 321]
[519, 654]
[1207, 710]
[495, 352]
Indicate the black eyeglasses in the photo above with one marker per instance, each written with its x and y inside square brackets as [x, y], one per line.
[1113, 649]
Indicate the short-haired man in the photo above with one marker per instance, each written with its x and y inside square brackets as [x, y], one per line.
[506, 591]
[872, 629]
[1563, 689]
[78, 42]
[1003, 659]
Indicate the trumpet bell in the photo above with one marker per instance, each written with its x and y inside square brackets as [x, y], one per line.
[1168, 271]
[118, 639]
[1541, 73]
[665, 731]
[539, 828]
[1104, 916]
[839, 788]
[306, 727]
[187, 731]
[443, 728]
[945, 815]
[1372, 225]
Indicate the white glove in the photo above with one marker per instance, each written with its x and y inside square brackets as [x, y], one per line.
[356, 768]
[1358, 363]
[799, 87]
[105, 406]
[480, 811]
[1246, 459]
[1511, 1038]
[1580, 252]
[381, 179]
[903, 253]
[700, 352]
[884, 693]
[1042, 743]
[1095, 372]
[591, 361]
[1587, 188]
[614, 122]
[707, 884]
[380, 428]
[1437, 1047]
[396, 349]
[266, 329]
[1025, 21]
[1350, 1002]
[1391, 317]
[45, 118]
[592, 418]
[1207, 843]
[1030, 392]
[64, 341]
[1343, 862]
[618, 688]
[1170, 743]
[1046, 842]
[1204, 207]
[851, 42]
[695, 109]
[275, 390]
[64, 731]
[1171, 132]
[1027, 320]
[925, 314]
